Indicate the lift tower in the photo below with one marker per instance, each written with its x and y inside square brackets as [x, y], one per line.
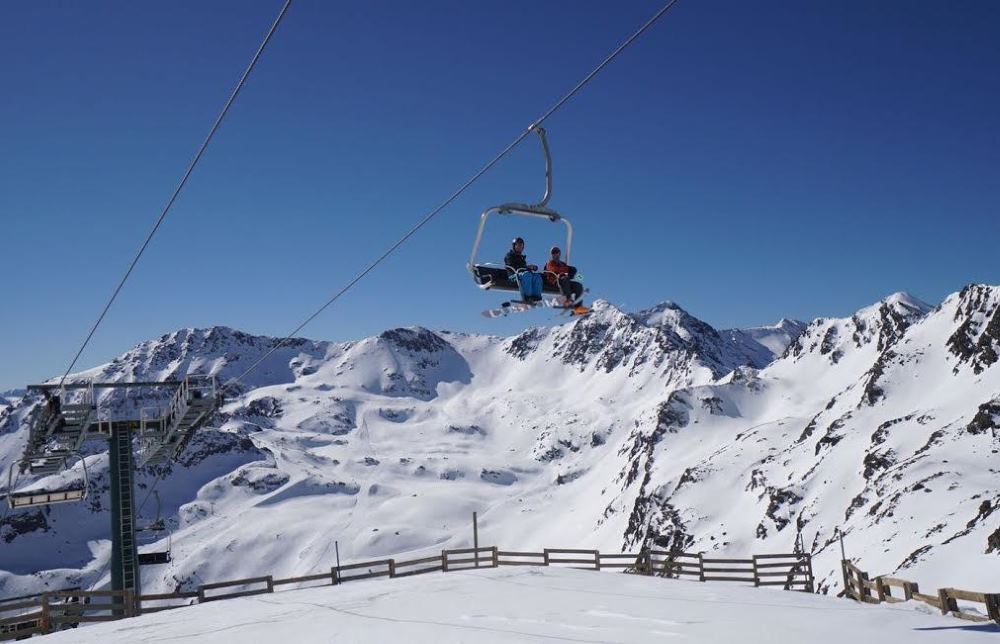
[58, 431]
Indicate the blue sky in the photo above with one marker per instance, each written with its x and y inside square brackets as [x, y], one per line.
[750, 161]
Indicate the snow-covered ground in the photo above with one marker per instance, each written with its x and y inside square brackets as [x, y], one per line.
[519, 605]
[615, 431]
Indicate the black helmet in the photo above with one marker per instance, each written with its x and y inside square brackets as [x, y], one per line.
[517, 240]
[554, 250]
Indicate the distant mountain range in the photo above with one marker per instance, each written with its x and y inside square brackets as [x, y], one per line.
[616, 430]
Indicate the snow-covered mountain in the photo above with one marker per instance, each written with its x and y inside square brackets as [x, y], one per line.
[11, 397]
[612, 431]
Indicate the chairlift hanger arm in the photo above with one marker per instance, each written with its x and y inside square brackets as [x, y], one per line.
[540, 209]
[540, 131]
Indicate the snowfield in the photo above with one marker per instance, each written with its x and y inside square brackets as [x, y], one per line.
[519, 605]
[615, 431]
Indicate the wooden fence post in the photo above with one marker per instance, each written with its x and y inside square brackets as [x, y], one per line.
[597, 560]
[848, 589]
[880, 589]
[545, 556]
[475, 538]
[910, 587]
[44, 622]
[993, 606]
[392, 568]
[863, 588]
[701, 566]
[333, 577]
[756, 577]
[809, 570]
[649, 563]
[444, 561]
[496, 557]
[948, 603]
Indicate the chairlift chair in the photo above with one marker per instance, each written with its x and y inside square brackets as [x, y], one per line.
[36, 498]
[498, 277]
[157, 528]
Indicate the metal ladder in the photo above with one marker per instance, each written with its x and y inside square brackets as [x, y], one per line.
[161, 439]
[126, 569]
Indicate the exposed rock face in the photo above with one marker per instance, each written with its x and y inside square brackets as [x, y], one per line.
[977, 339]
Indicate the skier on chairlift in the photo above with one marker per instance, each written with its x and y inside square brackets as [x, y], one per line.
[560, 274]
[528, 280]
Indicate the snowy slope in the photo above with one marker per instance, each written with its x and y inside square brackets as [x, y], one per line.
[613, 431]
[517, 605]
[775, 339]
[867, 424]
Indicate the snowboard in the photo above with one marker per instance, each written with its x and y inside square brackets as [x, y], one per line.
[519, 306]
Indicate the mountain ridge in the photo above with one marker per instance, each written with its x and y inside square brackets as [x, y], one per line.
[616, 429]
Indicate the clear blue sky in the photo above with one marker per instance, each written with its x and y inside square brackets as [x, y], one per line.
[748, 160]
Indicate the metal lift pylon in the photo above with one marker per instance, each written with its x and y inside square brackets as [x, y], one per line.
[54, 437]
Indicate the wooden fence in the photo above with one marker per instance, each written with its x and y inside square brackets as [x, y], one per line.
[858, 586]
[61, 609]
[53, 611]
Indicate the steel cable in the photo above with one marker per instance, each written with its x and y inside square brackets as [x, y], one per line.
[177, 190]
[465, 186]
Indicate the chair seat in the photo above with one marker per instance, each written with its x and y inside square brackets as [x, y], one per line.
[500, 280]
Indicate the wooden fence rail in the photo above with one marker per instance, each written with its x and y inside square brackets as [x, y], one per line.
[253, 581]
[858, 586]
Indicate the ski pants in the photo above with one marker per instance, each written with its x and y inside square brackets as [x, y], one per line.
[571, 288]
[530, 284]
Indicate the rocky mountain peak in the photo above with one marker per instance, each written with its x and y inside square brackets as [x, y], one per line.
[881, 325]
[414, 340]
[670, 316]
[976, 340]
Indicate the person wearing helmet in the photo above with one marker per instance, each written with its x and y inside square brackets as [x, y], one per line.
[528, 280]
[559, 273]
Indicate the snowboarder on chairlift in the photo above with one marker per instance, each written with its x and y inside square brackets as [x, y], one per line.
[559, 273]
[528, 280]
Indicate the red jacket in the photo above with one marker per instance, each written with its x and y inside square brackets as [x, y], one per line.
[555, 268]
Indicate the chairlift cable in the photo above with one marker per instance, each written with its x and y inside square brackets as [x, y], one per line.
[455, 195]
[180, 186]
[156, 481]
